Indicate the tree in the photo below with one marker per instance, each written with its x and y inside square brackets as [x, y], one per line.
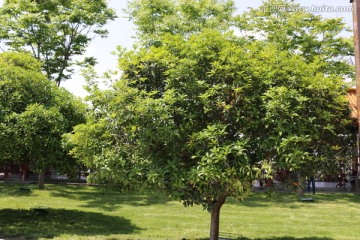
[307, 122]
[318, 41]
[299, 32]
[54, 31]
[36, 132]
[14, 68]
[186, 17]
[195, 117]
[35, 113]
[195, 113]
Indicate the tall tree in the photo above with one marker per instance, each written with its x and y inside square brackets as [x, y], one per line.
[34, 115]
[195, 117]
[195, 112]
[54, 31]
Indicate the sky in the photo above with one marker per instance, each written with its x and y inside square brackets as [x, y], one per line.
[121, 31]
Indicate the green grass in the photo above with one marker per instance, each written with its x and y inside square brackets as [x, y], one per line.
[80, 212]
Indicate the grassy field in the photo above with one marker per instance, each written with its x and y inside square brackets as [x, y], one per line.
[81, 212]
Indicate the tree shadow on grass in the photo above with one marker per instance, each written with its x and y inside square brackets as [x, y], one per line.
[49, 223]
[106, 199]
[279, 238]
[338, 198]
[262, 199]
[288, 238]
[225, 236]
[17, 190]
[291, 200]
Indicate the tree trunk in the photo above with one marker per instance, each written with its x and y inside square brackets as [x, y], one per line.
[215, 218]
[24, 168]
[23, 176]
[300, 188]
[41, 182]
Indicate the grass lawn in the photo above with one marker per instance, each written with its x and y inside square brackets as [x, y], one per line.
[82, 212]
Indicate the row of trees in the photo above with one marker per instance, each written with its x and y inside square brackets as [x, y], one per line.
[35, 113]
[206, 97]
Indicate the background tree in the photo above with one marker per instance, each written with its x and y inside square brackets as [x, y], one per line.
[195, 112]
[318, 41]
[307, 122]
[17, 67]
[54, 31]
[186, 17]
[34, 115]
[303, 33]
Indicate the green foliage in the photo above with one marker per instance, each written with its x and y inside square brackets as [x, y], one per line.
[306, 114]
[34, 114]
[186, 17]
[310, 36]
[53, 31]
[36, 131]
[177, 127]
[199, 108]
[195, 116]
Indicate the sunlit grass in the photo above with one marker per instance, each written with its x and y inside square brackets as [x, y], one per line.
[84, 212]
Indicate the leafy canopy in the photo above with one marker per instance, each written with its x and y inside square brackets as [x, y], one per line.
[155, 18]
[34, 114]
[198, 108]
[54, 31]
[311, 36]
[196, 115]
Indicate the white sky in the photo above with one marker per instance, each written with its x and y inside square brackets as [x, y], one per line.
[121, 30]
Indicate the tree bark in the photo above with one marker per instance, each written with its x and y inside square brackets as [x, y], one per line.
[215, 218]
[300, 188]
[24, 168]
[41, 181]
[23, 176]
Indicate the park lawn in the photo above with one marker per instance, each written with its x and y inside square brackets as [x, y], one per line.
[87, 212]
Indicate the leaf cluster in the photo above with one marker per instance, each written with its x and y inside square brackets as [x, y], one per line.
[301, 33]
[198, 108]
[34, 114]
[53, 31]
